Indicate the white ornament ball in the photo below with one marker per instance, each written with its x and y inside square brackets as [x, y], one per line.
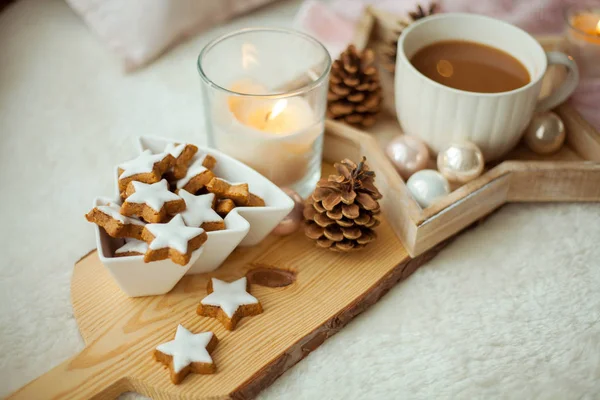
[408, 154]
[427, 186]
[460, 162]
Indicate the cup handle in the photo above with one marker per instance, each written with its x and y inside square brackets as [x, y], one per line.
[562, 92]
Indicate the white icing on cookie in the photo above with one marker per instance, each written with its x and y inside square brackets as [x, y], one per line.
[173, 234]
[113, 210]
[154, 195]
[187, 348]
[175, 149]
[229, 296]
[233, 183]
[198, 209]
[196, 168]
[133, 246]
[144, 163]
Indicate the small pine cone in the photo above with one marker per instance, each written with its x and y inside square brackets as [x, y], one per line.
[342, 212]
[389, 51]
[354, 89]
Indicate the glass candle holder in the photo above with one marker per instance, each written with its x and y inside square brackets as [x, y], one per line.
[265, 97]
[582, 37]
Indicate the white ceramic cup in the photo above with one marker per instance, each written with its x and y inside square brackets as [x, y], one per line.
[441, 115]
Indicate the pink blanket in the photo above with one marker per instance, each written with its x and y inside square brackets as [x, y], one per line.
[334, 26]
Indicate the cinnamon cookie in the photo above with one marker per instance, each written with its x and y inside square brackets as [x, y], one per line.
[224, 207]
[108, 216]
[132, 247]
[172, 240]
[147, 168]
[188, 352]
[153, 202]
[229, 302]
[239, 193]
[199, 211]
[196, 177]
[182, 154]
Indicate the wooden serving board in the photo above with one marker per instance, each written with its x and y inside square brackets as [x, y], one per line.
[320, 292]
[308, 294]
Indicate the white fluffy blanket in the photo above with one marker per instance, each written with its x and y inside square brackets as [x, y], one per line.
[509, 310]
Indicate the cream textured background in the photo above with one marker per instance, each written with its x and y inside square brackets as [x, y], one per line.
[509, 310]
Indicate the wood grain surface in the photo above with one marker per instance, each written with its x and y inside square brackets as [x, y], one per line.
[308, 294]
[324, 291]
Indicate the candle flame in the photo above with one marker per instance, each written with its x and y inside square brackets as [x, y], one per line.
[277, 109]
[598, 28]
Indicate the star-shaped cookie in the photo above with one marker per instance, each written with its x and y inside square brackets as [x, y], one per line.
[183, 154]
[108, 216]
[188, 352]
[132, 247]
[238, 192]
[172, 240]
[199, 212]
[196, 177]
[224, 207]
[153, 202]
[146, 167]
[229, 302]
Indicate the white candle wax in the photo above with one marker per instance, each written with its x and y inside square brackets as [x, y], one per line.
[275, 117]
[274, 136]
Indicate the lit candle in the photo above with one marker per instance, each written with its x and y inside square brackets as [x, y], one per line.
[274, 136]
[589, 24]
[583, 39]
[280, 117]
[265, 95]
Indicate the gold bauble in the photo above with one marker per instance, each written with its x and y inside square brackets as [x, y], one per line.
[545, 133]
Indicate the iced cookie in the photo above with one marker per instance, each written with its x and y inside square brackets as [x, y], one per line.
[224, 207]
[229, 302]
[183, 154]
[132, 247]
[108, 216]
[172, 240]
[199, 211]
[207, 160]
[188, 352]
[196, 177]
[239, 193]
[147, 168]
[255, 201]
[153, 202]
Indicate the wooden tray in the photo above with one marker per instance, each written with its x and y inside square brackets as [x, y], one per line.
[308, 294]
[572, 174]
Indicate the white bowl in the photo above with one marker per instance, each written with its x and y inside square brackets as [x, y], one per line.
[219, 244]
[245, 226]
[134, 276]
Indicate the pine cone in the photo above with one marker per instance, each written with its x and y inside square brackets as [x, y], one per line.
[389, 52]
[341, 213]
[354, 90]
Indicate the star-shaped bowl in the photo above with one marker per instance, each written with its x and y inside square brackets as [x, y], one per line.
[245, 226]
